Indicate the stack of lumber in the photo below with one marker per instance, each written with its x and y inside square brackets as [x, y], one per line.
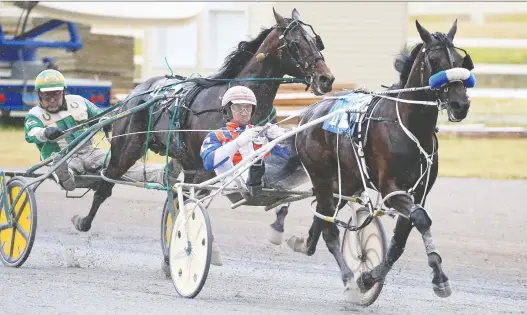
[102, 57]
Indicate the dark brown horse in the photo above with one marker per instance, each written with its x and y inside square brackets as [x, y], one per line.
[284, 49]
[394, 159]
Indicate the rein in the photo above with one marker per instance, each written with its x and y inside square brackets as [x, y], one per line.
[438, 81]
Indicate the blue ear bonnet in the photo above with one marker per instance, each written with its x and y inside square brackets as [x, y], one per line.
[455, 74]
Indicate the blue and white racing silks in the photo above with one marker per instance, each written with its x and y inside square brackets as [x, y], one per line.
[223, 137]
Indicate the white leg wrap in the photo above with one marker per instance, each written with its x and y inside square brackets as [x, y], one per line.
[429, 243]
[216, 258]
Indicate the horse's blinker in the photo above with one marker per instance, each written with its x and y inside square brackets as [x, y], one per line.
[467, 62]
[293, 47]
[319, 43]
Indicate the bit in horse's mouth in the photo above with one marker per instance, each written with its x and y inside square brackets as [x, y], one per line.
[451, 117]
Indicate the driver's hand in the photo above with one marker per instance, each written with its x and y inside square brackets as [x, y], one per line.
[52, 133]
[274, 131]
[106, 128]
[248, 135]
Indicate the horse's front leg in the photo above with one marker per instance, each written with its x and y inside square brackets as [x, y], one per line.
[422, 222]
[418, 218]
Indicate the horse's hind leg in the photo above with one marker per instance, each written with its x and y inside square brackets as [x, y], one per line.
[330, 233]
[276, 233]
[277, 227]
[123, 156]
[104, 190]
[402, 230]
[331, 236]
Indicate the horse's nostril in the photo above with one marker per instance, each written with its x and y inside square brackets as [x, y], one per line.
[326, 80]
[455, 105]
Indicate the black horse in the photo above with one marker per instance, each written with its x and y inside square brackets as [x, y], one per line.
[284, 49]
[398, 137]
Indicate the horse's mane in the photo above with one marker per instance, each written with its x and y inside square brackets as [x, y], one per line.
[404, 62]
[236, 60]
[405, 59]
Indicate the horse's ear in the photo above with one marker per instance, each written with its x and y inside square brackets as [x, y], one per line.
[452, 31]
[295, 14]
[425, 35]
[279, 19]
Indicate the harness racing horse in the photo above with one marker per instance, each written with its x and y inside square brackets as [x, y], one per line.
[399, 137]
[260, 64]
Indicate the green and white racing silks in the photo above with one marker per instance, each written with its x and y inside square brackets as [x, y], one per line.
[76, 111]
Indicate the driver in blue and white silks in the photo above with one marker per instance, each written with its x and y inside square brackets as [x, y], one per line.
[224, 148]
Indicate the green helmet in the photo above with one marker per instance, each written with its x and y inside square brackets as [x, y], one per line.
[50, 80]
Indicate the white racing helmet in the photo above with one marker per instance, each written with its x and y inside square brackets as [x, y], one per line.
[237, 95]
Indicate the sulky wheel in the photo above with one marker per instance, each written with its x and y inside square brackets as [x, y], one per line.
[365, 249]
[190, 249]
[167, 221]
[16, 242]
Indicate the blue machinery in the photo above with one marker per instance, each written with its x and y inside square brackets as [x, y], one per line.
[19, 65]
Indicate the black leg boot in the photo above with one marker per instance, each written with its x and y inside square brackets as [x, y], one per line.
[256, 173]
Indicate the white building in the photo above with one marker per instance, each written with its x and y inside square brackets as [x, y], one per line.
[361, 39]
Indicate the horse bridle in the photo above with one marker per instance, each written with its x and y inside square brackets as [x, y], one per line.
[293, 49]
[443, 43]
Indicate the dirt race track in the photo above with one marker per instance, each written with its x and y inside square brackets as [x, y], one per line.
[115, 268]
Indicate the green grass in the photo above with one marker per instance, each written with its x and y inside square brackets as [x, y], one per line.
[17, 152]
[498, 55]
[519, 18]
[481, 158]
[512, 26]
[496, 106]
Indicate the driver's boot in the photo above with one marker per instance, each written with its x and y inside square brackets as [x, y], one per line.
[256, 173]
[65, 175]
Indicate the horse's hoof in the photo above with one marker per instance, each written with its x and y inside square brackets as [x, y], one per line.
[365, 281]
[442, 289]
[351, 293]
[166, 268]
[80, 224]
[275, 237]
[297, 244]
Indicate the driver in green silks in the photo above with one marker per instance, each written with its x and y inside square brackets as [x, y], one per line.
[57, 112]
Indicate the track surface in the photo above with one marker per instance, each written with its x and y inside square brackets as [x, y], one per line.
[115, 268]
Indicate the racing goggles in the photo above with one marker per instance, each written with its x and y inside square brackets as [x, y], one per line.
[52, 96]
[242, 108]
